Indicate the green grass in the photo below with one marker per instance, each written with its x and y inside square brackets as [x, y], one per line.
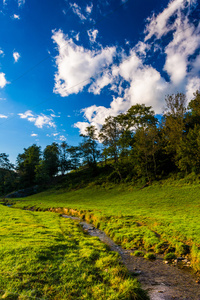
[44, 256]
[145, 218]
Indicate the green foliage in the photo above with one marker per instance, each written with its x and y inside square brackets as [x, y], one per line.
[150, 256]
[170, 256]
[27, 163]
[51, 159]
[138, 253]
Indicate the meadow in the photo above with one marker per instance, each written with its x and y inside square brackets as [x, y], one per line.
[44, 256]
[163, 218]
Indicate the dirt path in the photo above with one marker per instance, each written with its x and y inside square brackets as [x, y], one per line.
[163, 282]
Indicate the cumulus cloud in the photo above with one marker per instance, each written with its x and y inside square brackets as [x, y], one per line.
[34, 134]
[1, 52]
[3, 80]
[16, 56]
[132, 79]
[39, 121]
[76, 65]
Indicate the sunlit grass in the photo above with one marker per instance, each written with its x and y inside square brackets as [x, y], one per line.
[136, 218]
[45, 256]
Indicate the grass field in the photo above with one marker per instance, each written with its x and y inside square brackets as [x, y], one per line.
[44, 256]
[162, 218]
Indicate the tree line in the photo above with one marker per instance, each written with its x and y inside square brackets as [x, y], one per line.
[136, 145]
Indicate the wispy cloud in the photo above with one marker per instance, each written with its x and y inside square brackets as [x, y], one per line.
[16, 56]
[62, 138]
[21, 2]
[3, 116]
[3, 80]
[92, 35]
[39, 121]
[34, 134]
[16, 17]
[89, 8]
[77, 11]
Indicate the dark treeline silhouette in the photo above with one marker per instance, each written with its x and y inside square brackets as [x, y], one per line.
[134, 146]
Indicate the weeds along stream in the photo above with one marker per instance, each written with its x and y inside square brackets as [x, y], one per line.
[160, 280]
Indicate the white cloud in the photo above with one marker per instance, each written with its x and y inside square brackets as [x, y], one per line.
[133, 80]
[3, 80]
[89, 8]
[92, 35]
[16, 17]
[76, 65]
[192, 86]
[34, 134]
[81, 126]
[16, 56]
[39, 120]
[3, 116]
[77, 11]
[160, 25]
[1, 52]
[21, 2]
[26, 115]
[62, 138]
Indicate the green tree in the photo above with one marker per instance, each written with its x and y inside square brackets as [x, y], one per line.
[189, 151]
[173, 125]
[26, 164]
[51, 159]
[75, 155]
[89, 146]
[7, 175]
[65, 163]
[109, 136]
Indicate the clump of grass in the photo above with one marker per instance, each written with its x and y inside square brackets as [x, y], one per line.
[161, 247]
[138, 253]
[170, 256]
[150, 256]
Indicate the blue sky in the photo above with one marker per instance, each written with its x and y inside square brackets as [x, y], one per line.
[67, 64]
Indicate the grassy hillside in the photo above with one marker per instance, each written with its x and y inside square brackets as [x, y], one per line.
[44, 256]
[161, 218]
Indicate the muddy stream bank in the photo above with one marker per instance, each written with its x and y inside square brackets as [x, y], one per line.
[162, 281]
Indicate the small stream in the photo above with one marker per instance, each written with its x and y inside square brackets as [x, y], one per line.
[162, 281]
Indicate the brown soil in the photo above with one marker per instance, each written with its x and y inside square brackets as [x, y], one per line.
[162, 281]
